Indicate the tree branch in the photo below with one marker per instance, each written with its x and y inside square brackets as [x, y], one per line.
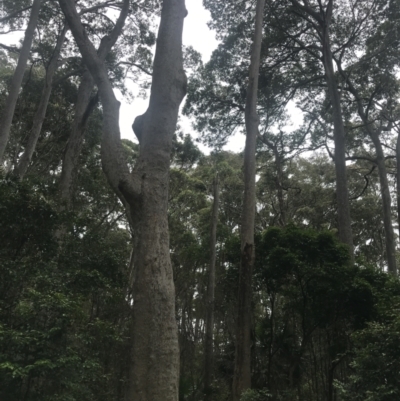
[14, 14]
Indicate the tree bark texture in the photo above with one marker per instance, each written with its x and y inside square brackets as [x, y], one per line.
[242, 369]
[11, 101]
[154, 372]
[40, 114]
[208, 345]
[155, 353]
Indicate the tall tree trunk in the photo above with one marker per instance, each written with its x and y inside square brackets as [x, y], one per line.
[242, 371]
[386, 203]
[373, 133]
[155, 353]
[323, 20]
[40, 114]
[342, 192]
[154, 372]
[398, 178]
[208, 346]
[11, 101]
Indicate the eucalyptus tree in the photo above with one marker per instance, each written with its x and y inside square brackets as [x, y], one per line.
[209, 339]
[242, 372]
[38, 119]
[8, 111]
[373, 97]
[155, 354]
[310, 32]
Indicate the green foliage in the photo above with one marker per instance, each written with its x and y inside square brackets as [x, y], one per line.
[255, 395]
[376, 362]
[312, 300]
[63, 311]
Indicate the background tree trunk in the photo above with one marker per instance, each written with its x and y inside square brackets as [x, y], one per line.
[342, 192]
[386, 203]
[40, 114]
[398, 178]
[373, 133]
[83, 109]
[242, 370]
[208, 345]
[11, 101]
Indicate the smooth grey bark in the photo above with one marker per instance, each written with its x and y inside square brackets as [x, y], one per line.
[242, 369]
[85, 105]
[323, 20]
[11, 101]
[209, 338]
[40, 114]
[154, 371]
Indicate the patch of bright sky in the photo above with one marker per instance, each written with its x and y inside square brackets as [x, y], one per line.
[197, 34]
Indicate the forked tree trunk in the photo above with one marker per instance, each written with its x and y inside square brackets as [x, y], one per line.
[154, 372]
[40, 114]
[208, 345]
[11, 101]
[85, 104]
[242, 372]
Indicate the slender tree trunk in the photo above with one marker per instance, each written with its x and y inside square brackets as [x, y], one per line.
[83, 109]
[208, 346]
[398, 178]
[11, 101]
[154, 372]
[386, 203]
[242, 371]
[383, 181]
[40, 114]
[342, 192]
[279, 183]
[323, 19]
